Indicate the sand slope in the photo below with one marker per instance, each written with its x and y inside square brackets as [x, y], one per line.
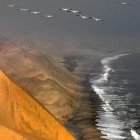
[35, 71]
[8, 134]
[22, 118]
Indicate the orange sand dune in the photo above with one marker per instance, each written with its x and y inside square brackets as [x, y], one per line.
[23, 118]
[7, 134]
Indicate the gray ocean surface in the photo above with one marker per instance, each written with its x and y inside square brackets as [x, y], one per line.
[118, 32]
[118, 86]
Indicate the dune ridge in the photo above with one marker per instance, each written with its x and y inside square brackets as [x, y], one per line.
[25, 117]
[42, 77]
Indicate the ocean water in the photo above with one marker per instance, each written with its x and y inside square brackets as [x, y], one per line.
[118, 86]
[118, 32]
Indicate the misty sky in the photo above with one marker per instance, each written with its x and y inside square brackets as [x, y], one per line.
[120, 29]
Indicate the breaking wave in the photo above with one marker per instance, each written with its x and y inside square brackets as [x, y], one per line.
[111, 126]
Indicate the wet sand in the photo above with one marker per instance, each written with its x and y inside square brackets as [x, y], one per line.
[83, 120]
[84, 117]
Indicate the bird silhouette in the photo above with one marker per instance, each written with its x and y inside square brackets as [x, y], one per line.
[23, 9]
[123, 3]
[48, 16]
[83, 17]
[65, 9]
[75, 11]
[10, 5]
[96, 19]
[35, 12]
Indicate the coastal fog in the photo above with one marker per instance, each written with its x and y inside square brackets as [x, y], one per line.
[118, 31]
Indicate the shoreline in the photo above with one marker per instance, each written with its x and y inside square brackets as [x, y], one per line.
[98, 86]
[82, 122]
[84, 118]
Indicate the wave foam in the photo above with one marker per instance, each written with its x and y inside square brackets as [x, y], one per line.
[109, 59]
[134, 134]
[103, 118]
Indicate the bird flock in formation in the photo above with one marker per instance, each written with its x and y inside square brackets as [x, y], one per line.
[29, 11]
[79, 13]
[66, 10]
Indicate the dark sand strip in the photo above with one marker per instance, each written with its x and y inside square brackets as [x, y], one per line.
[84, 118]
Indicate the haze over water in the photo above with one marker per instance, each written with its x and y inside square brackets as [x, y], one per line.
[119, 31]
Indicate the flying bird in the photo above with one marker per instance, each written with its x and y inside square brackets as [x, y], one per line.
[65, 9]
[11, 5]
[96, 19]
[23, 9]
[35, 12]
[48, 16]
[123, 3]
[84, 17]
[75, 11]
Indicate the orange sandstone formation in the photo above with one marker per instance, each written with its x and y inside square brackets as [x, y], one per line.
[23, 118]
